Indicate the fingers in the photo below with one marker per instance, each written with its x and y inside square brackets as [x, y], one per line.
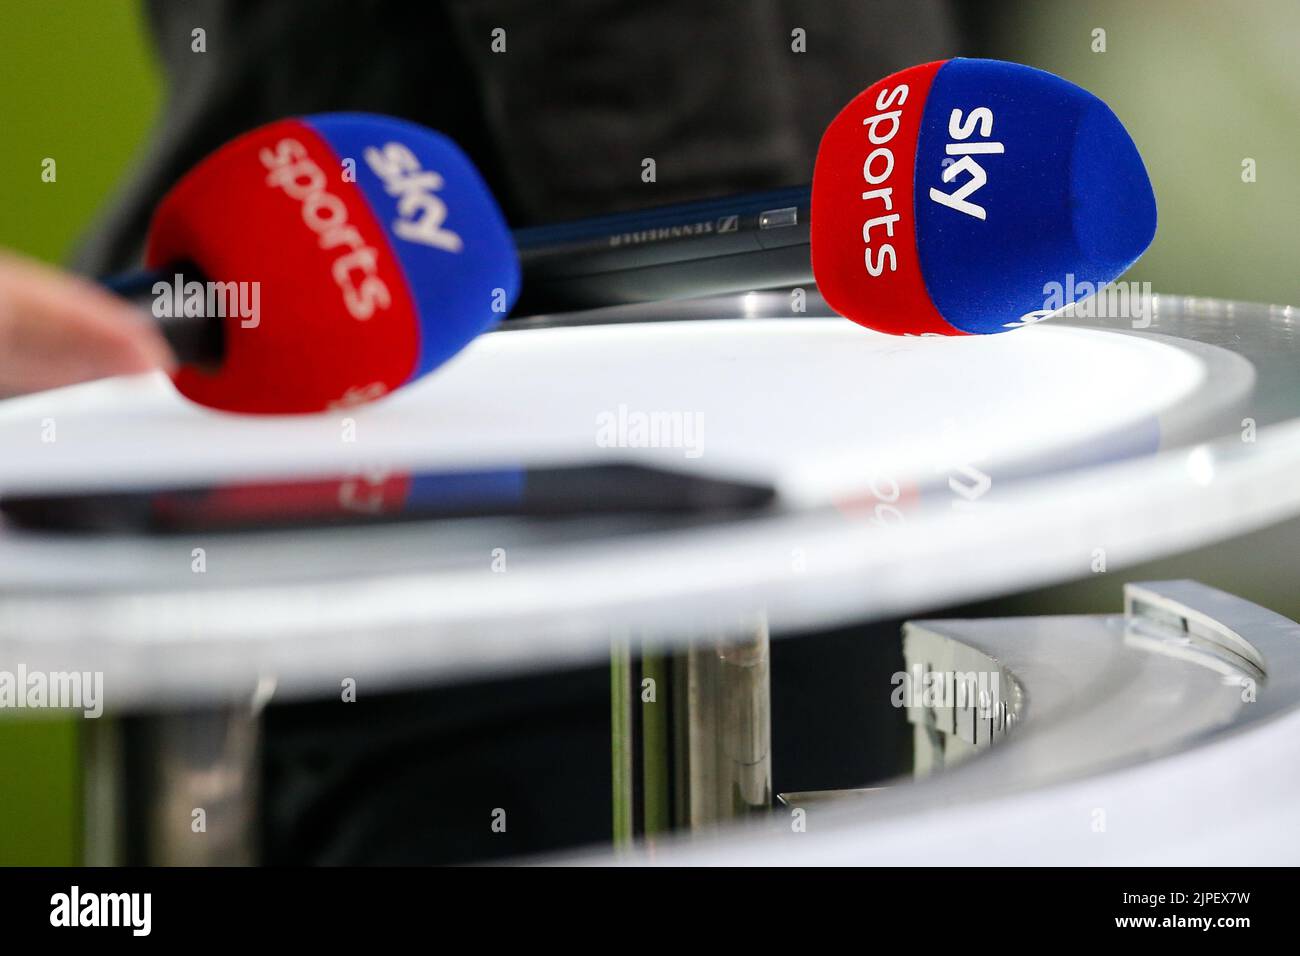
[57, 329]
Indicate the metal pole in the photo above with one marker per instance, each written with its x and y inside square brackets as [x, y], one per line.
[724, 758]
[173, 789]
[692, 734]
[623, 743]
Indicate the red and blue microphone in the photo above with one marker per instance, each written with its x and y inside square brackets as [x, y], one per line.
[946, 200]
[373, 246]
[948, 197]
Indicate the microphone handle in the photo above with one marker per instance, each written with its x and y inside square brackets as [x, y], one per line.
[195, 339]
[732, 244]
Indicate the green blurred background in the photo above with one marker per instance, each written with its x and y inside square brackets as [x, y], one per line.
[1201, 84]
[78, 84]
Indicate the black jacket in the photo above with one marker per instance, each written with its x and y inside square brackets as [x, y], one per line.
[559, 122]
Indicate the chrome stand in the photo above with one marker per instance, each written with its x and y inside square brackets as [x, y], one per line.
[178, 789]
[692, 735]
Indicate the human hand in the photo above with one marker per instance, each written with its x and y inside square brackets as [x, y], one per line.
[57, 329]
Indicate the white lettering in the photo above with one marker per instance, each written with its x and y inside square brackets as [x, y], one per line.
[299, 177]
[421, 213]
[981, 119]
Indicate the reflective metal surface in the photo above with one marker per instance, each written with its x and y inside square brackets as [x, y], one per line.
[692, 734]
[178, 788]
[724, 749]
[1144, 725]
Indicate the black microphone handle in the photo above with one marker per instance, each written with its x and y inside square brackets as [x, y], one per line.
[195, 339]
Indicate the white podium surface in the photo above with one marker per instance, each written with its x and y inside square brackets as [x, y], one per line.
[1077, 434]
[815, 406]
